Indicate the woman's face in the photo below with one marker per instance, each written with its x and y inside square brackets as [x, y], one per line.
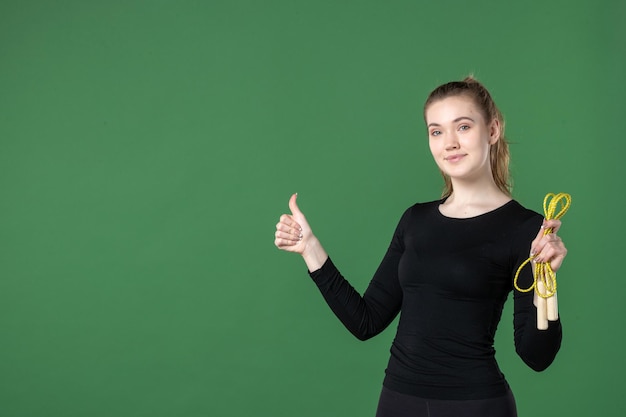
[460, 137]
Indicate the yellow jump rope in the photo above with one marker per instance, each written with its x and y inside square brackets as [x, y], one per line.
[544, 282]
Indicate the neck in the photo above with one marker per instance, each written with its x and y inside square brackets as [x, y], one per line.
[469, 201]
[466, 193]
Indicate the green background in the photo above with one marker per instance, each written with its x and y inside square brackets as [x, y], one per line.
[147, 149]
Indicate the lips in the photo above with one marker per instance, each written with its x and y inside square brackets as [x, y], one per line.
[454, 158]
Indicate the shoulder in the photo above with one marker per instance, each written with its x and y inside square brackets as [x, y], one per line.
[524, 222]
[521, 215]
[417, 214]
[422, 209]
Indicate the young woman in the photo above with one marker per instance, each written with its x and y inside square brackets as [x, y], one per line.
[448, 271]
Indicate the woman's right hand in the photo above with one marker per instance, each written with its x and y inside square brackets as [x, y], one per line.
[292, 231]
[293, 234]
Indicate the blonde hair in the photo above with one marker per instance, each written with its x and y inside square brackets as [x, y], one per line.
[499, 153]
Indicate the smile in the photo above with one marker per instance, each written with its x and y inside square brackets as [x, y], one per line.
[454, 158]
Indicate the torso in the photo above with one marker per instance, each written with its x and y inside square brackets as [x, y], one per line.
[455, 273]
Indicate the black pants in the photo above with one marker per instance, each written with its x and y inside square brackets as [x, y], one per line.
[393, 404]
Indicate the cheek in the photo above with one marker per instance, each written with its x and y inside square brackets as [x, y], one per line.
[436, 149]
[432, 145]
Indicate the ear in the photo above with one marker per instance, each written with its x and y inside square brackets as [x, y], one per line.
[494, 131]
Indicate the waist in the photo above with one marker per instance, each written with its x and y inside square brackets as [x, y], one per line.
[443, 375]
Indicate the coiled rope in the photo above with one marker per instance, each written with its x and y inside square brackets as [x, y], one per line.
[543, 270]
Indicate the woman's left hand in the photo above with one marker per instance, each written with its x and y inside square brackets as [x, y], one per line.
[549, 247]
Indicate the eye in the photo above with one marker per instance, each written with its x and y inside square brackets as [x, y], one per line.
[464, 127]
[435, 133]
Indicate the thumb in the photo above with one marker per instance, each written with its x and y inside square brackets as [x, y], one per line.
[293, 206]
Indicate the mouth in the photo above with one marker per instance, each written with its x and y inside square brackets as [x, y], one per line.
[454, 158]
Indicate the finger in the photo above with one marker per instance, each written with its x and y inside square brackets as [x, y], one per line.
[535, 246]
[545, 254]
[554, 225]
[283, 239]
[541, 245]
[290, 227]
[287, 245]
[293, 206]
[283, 244]
[288, 221]
[289, 236]
[539, 241]
[554, 250]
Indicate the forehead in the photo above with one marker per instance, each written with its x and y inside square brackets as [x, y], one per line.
[451, 108]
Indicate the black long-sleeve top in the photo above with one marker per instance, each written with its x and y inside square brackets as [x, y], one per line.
[448, 278]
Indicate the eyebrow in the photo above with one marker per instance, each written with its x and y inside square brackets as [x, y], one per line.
[458, 119]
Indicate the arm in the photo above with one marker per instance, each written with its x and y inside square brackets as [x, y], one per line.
[537, 348]
[364, 316]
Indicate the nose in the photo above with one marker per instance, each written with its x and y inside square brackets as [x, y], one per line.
[452, 142]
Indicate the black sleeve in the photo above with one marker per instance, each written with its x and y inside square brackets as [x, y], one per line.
[368, 315]
[537, 348]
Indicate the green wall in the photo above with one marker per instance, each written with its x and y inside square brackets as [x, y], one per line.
[147, 149]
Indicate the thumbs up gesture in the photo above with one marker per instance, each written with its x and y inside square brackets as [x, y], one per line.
[292, 231]
[293, 234]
